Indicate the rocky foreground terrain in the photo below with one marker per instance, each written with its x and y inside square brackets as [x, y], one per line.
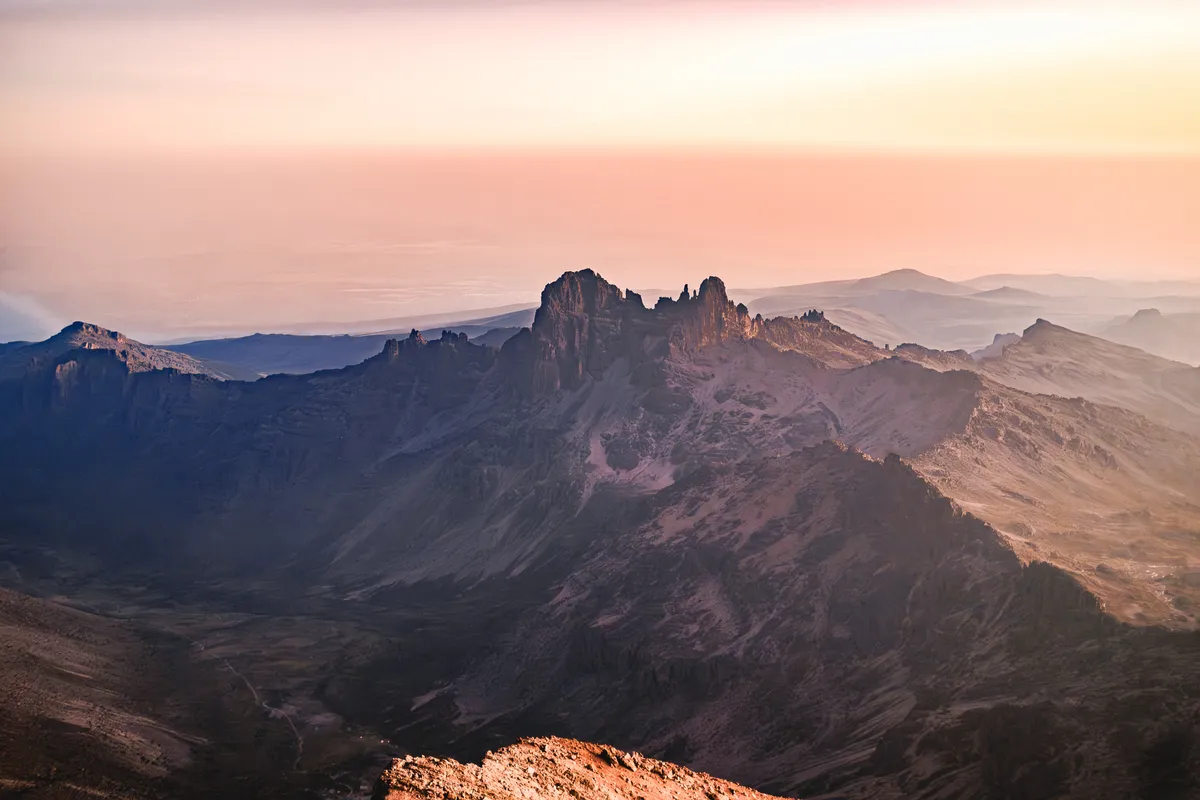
[761, 548]
[553, 767]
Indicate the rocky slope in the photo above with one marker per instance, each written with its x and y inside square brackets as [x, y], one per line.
[726, 541]
[996, 348]
[554, 767]
[1050, 359]
[31, 358]
[106, 708]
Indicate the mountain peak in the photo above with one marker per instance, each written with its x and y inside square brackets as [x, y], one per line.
[584, 324]
[79, 335]
[909, 280]
[79, 329]
[583, 292]
[1043, 327]
[713, 288]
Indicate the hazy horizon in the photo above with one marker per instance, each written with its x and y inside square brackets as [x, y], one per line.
[177, 169]
[230, 246]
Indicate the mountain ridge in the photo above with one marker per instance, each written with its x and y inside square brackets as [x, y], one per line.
[18, 361]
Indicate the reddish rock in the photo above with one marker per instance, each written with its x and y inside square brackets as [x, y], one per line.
[554, 767]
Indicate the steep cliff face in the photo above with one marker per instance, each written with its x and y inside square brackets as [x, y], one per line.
[585, 324]
[205, 462]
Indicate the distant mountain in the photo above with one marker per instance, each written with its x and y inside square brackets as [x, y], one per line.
[402, 325]
[496, 337]
[520, 317]
[272, 353]
[21, 360]
[871, 326]
[1082, 286]
[996, 348]
[899, 280]
[1054, 360]
[1010, 295]
[1168, 288]
[1046, 284]
[250, 357]
[1175, 336]
[933, 320]
[909, 306]
[907, 280]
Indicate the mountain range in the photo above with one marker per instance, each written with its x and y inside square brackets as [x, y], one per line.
[762, 547]
[1175, 336]
[902, 306]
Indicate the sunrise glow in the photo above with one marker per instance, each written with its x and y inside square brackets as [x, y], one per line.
[907, 76]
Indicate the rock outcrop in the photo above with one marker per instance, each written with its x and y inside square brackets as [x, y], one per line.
[554, 767]
[585, 324]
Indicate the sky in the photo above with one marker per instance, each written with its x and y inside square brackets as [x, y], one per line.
[179, 166]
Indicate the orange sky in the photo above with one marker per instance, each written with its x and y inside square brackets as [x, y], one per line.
[258, 168]
[1085, 76]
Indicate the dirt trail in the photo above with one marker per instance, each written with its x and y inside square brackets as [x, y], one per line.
[277, 713]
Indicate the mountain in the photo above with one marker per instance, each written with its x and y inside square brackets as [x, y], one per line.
[892, 316]
[511, 313]
[1010, 295]
[869, 325]
[899, 280]
[996, 348]
[252, 357]
[764, 548]
[496, 337]
[908, 306]
[1047, 284]
[20, 361]
[1174, 336]
[512, 317]
[1082, 286]
[907, 280]
[1051, 359]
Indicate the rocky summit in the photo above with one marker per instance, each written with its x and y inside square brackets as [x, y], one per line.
[764, 549]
